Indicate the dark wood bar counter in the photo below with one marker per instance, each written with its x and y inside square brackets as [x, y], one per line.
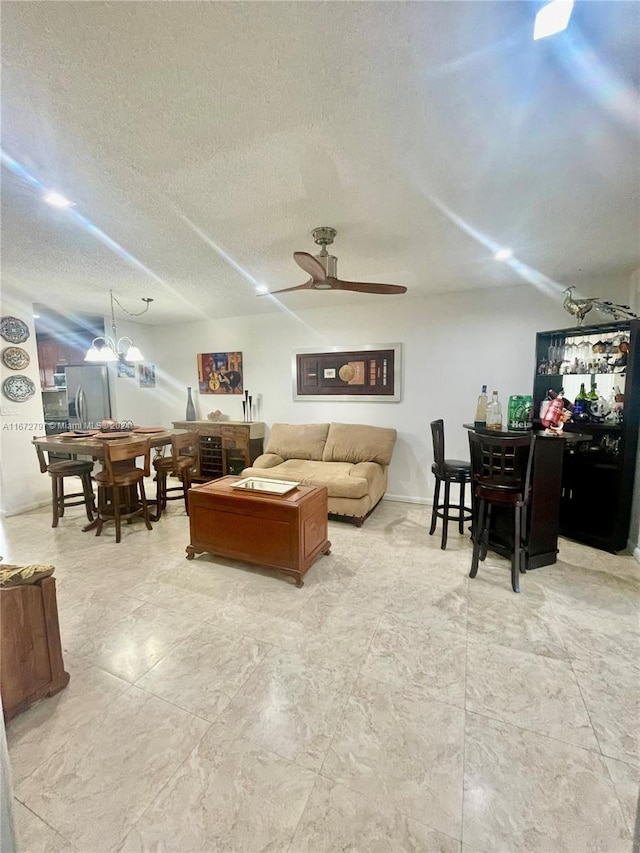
[543, 518]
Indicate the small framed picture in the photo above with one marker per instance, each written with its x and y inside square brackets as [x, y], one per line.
[329, 373]
[126, 368]
[147, 375]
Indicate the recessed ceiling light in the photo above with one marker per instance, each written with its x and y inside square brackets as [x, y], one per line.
[57, 200]
[262, 288]
[552, 18]
[503, 254]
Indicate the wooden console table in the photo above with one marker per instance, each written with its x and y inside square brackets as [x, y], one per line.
[286, 532]
[226, 447]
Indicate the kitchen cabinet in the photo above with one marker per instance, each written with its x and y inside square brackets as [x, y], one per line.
[226, 447]
[597, 474]
[54, 352]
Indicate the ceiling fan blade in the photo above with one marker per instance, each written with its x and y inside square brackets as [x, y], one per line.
[308, 285]
[365, 287]
[311, 265]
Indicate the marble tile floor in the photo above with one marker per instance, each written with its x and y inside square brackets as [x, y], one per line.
[391, 704]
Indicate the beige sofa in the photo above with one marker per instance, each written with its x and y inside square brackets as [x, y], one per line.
[351, 460]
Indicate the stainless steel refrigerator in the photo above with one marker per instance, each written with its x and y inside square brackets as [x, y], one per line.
[88, 400]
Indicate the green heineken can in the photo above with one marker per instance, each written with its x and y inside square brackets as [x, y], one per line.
[520, 414]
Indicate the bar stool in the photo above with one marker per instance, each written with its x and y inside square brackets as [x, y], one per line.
[447, 471]
[184, 457]
[58, 471]
[501, 475]
[121, 492]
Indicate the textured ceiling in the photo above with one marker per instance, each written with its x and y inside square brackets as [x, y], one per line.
[206, 140]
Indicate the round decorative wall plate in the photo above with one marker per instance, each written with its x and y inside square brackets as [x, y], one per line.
[18, 388]
[15, 358]
[13, 330]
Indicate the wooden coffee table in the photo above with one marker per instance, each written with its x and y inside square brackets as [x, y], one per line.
[287, 532]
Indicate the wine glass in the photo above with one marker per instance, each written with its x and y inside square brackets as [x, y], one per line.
[584, 354]
[571, 354]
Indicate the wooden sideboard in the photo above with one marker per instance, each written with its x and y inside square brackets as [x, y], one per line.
[226, 447]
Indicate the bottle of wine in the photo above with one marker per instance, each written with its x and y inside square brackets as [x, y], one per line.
[481, 408]
[580, 411]
[494, 412]
[593, 393]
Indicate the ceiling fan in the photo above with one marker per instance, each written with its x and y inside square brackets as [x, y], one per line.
[323, 268]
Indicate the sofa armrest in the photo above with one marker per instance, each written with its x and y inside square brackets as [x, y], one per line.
[267, 460]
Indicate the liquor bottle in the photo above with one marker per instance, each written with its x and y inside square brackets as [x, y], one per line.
[494, 413]
[481, 408]
[593, 393]
[580, 411]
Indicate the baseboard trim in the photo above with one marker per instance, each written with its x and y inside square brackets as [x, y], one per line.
[406, 499]
[636, 554]
[21, 510]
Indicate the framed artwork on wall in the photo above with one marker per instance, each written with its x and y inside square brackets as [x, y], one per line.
[126, 368]
[147, 375]
[220, 373]
[369, 373]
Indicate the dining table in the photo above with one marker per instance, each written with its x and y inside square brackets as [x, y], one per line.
[93, 446]
[81, 444]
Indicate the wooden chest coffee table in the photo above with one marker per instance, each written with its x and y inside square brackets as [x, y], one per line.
[286, 532]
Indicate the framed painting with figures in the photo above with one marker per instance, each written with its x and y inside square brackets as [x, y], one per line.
[369, 373]
[147, 375]
[220, 373]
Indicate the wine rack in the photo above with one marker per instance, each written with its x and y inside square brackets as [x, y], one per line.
[226, 447]
[211, 462]
[598, 474]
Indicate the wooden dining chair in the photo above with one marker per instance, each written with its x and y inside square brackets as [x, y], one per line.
[121, 493]
[58, 469]
[185, 449]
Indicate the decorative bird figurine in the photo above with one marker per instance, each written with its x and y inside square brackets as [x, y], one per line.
[580, 307]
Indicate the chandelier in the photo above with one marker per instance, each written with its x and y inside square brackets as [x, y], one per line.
[104, 348]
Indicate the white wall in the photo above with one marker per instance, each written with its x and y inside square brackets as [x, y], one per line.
[22, 486]
[129, 401]
[452, 344]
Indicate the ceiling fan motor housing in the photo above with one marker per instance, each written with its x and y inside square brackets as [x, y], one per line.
[329, 262]
[324, 236]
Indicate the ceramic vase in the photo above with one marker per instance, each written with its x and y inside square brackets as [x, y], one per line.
[191, 409]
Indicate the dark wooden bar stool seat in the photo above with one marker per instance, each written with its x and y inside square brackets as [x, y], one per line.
[501, 474]
[447, 471]
[121, 493]
[183, 460]
[58, 470]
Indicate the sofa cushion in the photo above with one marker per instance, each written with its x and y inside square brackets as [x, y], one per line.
[298, 441]
[338, 477]
[359, 443]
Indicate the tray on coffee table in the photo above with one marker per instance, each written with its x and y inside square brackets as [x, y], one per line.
[262, 484]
